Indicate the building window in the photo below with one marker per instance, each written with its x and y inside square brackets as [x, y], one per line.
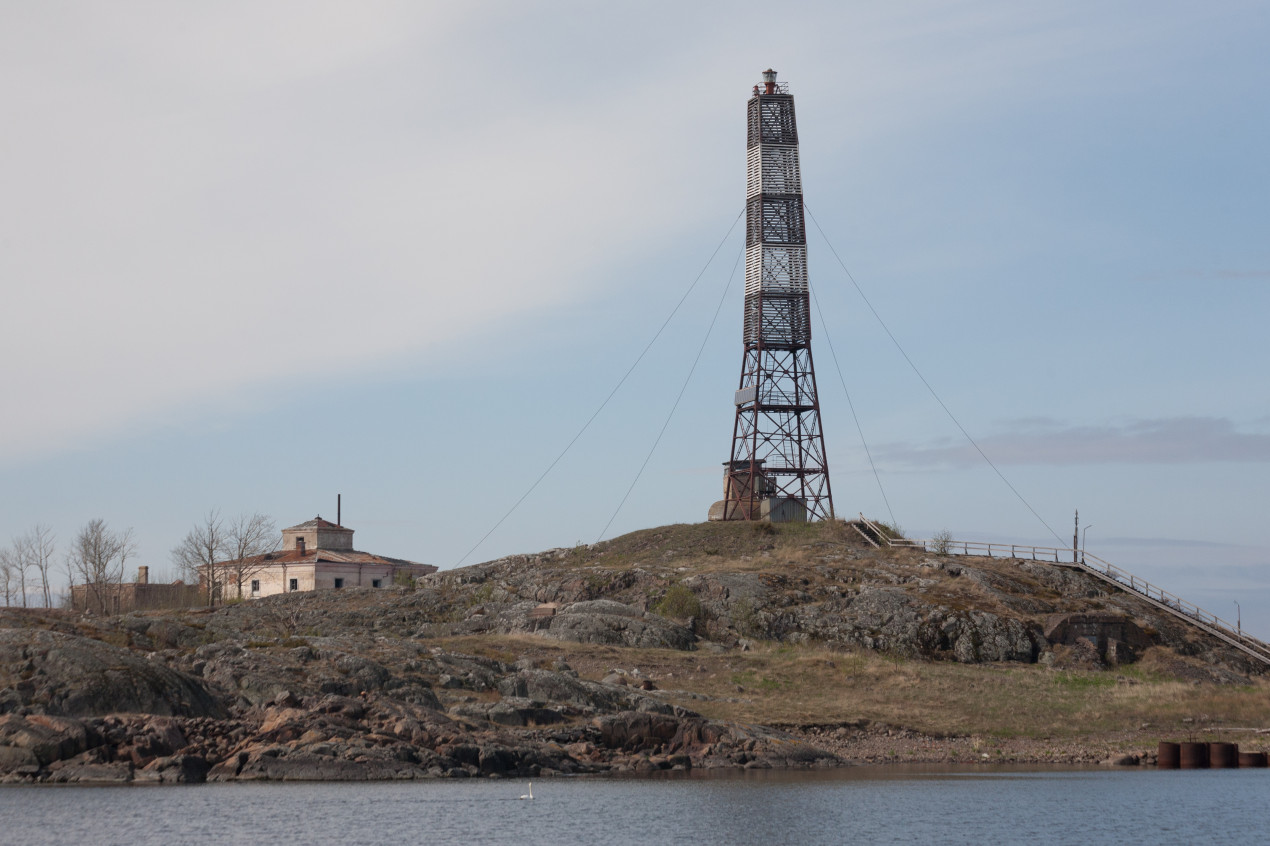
[295, 584]
[255, 587]
[339, 583]
[376, 582]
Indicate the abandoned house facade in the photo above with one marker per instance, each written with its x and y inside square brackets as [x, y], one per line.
[315, 555]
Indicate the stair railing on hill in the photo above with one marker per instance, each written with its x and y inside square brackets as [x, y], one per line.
[1176, 605]
[1180, 608]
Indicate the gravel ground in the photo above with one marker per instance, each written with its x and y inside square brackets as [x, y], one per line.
[877, 745]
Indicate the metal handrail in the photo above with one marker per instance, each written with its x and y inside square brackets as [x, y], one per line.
[957, 547]
[1171, 602]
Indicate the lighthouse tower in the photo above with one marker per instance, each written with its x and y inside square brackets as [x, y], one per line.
[778, 470]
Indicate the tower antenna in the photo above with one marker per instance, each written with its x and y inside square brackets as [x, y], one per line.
[778, 470]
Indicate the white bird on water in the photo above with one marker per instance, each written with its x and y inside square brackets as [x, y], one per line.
[530, 794]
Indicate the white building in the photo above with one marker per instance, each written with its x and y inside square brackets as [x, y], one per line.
[315, 555]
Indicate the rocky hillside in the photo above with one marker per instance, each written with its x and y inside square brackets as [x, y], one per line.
[720, 586]
[691, 646]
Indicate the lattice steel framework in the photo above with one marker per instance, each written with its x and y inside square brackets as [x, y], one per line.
[778, 469]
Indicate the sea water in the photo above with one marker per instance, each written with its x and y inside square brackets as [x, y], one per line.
[859, 805]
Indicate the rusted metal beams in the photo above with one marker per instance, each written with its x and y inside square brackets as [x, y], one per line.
[777, 469]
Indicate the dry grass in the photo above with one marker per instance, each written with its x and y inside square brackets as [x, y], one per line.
[731, 547]
[784, 685]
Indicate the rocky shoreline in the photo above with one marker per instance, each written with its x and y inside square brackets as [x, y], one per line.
[342, 739]
[374, 737]
[503, 720]
[370, 684]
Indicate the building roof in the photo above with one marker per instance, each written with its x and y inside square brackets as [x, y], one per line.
[332, 556]
[319, 554]
[317, 523]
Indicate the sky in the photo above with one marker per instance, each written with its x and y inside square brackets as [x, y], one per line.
[258, 254]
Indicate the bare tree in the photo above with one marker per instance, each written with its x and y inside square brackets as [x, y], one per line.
[247, 540]
[97, 556]
[19, 564]
[15, 566]
[34, 553]
[69, 598]
[197, 555]
[7, 576]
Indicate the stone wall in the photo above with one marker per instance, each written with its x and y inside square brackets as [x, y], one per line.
[1115, 636]
[133, 596]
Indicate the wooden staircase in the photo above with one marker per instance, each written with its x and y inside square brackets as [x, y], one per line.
[870, 531]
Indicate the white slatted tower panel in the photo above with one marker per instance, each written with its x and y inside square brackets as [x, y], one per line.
[753, 269]
[753, 172]
[776, 269]
[785, 269]
[772, 169]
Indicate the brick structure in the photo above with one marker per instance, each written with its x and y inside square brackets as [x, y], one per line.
[1117, 639]
[134, 596]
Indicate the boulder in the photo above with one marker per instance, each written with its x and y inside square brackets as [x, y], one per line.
[981, 637]
[47, 738]
[18, 759]
[74, 676]
[158, 737]
[510, 712]
[615, 624]
[92, 772]
[635, 730]
[175, 769]
[272, 763]
[548, 686]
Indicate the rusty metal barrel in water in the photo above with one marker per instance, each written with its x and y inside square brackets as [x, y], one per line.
[1252, 759]
[1169, 756]
[1194, 756]
[1222, 756]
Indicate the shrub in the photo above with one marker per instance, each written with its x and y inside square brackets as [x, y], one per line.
[893, 531]
[679, 603]
[942, 543]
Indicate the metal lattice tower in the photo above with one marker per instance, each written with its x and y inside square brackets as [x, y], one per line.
[778, 470]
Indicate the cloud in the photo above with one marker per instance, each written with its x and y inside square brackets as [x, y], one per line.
[1174, 440]
[201, 201]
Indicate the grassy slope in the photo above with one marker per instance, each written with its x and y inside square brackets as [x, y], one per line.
[805, 685]
[783, 684]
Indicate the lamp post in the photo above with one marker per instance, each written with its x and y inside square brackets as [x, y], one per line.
[1082, 542]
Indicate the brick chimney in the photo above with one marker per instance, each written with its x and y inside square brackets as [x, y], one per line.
[143, 575]
[299, 545]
